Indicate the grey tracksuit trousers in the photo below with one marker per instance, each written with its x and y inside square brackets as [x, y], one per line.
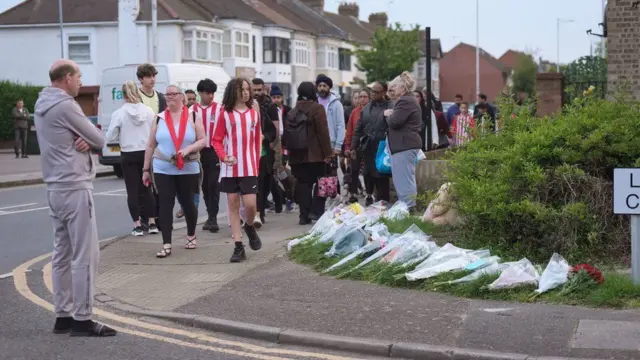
[76, 252]
[403, 169]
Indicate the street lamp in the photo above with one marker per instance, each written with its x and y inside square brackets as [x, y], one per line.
[558, 40]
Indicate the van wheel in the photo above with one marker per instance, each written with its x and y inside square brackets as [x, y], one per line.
[118, 170]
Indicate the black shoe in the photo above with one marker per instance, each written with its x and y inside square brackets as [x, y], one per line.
[91, 329]
[63, 325]
[25, 156]
[238, 253]
[304, 220]
[254, 240]
[137, 231]
[369, 201]
[153, 229]
[144, 224]
[207, 225]
[352, 200]
[313, 217]
[214, 226]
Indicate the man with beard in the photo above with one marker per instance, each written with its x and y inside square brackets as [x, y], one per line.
[280, 195]
[269, 123]
[335, 120]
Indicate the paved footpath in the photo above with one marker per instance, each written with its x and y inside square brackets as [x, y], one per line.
[17, 172]
[278, 295]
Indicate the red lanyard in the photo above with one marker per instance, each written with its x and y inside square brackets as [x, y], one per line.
[177, 141]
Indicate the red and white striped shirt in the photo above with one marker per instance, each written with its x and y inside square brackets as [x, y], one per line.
[209, 114]
[238, 134]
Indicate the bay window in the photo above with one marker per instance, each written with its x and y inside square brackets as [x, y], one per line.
[242, 44]
[344, 56]
[302, 56]
[202, 45]
[327, 57]
[276, 50]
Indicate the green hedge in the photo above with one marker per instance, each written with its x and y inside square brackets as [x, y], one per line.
[10, 92]
[545, 185]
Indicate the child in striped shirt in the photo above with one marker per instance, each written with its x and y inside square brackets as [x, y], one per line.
[237, 140]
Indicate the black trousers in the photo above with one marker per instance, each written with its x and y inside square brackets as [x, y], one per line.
[264, 184]
[382, 186]
[137, 194]
[20, 138]
[307, 175]
[184, 186]
[210, 181]
[355, 175]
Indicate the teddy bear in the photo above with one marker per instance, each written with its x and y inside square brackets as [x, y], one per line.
[441, 210]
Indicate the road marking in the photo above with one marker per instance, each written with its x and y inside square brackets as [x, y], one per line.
[20, 282]
[22, 211]
[110, 192]
[17, 206]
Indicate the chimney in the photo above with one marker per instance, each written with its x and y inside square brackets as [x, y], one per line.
[379, 19]
[317, 5]
[349, 9]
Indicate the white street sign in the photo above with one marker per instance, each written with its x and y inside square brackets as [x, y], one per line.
[626, 191]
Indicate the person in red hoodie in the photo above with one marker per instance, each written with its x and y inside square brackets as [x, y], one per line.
[363, 99]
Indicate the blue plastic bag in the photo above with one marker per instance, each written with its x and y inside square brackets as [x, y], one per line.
[383, 158]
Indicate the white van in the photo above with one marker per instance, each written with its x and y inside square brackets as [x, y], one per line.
[186, 76]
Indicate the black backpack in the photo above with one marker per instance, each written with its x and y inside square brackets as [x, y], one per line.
[295, 131]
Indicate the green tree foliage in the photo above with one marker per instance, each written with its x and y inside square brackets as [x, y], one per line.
[393, 51]
[583, 73]
[544, 185]
[9, 94]
[524, 75]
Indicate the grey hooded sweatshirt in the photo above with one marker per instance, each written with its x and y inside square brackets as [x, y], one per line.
[130, 126]
[59, 122]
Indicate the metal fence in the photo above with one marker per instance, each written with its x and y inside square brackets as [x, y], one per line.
[575, 89]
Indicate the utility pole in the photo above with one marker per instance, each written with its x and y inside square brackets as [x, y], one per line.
[427, 54]
[477, 47]
[154, 30]
[61, 29]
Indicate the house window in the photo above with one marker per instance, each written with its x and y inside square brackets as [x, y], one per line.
[242, 44]
[421, 69]
[187, 45]
[332, 57]
[276, 50]
[202, 45]
[79, 48]
[302, 56]
[321, 57]
[226, 44]
[253, 47]
[215, 40]
[344, 56]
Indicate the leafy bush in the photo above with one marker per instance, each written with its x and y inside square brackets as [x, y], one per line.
[544, 185]
[10, 93]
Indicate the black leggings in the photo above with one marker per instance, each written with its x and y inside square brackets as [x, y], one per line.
[184, 186]
[381, 185]
[210, 181]
[307, 175]
[132, 163]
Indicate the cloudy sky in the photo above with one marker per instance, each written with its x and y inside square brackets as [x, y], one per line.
[527, 25]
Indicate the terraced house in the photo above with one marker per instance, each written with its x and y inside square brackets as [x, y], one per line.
[282, 41]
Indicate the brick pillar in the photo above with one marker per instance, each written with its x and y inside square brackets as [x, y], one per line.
[623, 46]
[550, 91]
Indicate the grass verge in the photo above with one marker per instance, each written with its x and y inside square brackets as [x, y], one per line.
[618, 291]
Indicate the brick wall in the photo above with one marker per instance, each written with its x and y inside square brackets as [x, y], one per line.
[550, 91]
[623, 46]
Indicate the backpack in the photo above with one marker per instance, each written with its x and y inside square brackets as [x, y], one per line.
[295, 131]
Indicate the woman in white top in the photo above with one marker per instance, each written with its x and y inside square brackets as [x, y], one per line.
[130, 127]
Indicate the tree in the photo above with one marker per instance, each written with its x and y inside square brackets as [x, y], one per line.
[524, 75]
[393, 50]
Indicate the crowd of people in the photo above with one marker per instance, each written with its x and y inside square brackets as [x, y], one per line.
[175, 143]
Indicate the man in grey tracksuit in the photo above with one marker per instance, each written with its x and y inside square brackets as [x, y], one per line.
[66, 137]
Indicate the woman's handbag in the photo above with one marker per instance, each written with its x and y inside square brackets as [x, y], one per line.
[383, 158]
[328, 184]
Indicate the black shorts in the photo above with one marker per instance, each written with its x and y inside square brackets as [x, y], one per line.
[243, 185]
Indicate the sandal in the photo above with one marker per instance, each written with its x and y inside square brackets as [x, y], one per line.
[166, 251]
[191, 244]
